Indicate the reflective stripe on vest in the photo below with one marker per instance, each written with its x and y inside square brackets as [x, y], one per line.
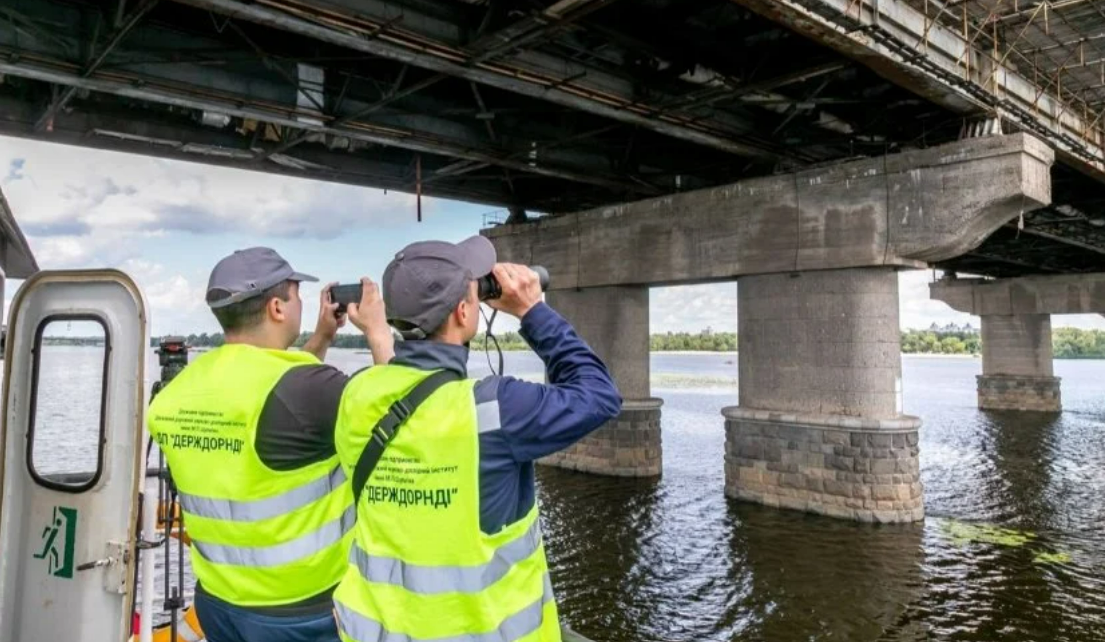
[515, 627]
[429, 580]
[257, 510]
[304, 546]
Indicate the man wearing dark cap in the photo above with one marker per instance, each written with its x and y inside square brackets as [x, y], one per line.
[447, 542]
[248, 432]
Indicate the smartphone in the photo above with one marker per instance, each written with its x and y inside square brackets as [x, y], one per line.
[343, 295]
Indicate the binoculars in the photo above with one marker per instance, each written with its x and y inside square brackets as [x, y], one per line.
[488, 287]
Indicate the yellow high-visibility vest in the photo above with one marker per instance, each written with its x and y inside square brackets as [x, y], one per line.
[420, 567]
[260, 537]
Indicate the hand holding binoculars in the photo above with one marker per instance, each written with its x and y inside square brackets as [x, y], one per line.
[488, 287]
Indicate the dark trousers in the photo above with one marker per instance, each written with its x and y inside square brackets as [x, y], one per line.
[222, 622]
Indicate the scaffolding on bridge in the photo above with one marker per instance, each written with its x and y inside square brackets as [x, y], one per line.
[1059, 44]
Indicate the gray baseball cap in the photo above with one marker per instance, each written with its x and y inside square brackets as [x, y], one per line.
[248, 273]
[426, 280]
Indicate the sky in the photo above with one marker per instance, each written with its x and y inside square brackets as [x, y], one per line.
[167, 223]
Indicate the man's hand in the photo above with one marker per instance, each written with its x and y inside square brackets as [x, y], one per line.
[329, 321]
[369, 317]
[521, 289]
[327, 327]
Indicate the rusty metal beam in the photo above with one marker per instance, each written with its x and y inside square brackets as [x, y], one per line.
[63, 99]
[1059, 239]
[1011, 261]
[888, 48]
[464, 167]
[548, 21]
[151, 90]
[441, 59]
[1050, 6]
[530, 30]
[352, 118]
[714, 95]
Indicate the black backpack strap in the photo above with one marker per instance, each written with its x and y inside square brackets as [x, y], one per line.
[384, 430]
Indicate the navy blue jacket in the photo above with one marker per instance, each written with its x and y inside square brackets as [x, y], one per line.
[520, 421]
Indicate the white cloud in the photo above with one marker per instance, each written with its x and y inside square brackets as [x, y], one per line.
[174, 303]
[67, 193]
[691, 308]
[82, 207]
[917, 310]
[1084, 321]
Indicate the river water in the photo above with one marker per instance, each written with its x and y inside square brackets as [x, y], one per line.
[672, 559]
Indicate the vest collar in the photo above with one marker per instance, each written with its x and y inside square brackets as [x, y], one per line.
[431, 355]
[235, 350]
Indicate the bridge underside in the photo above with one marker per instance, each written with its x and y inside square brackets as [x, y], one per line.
[534, 106]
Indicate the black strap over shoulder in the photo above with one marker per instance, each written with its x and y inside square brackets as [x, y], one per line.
[384, 430]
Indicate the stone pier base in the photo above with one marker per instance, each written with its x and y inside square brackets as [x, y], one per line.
[1019, 392]
[626, 447]
[845, 467]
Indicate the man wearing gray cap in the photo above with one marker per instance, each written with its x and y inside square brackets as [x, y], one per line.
[248, 433]
[447, 540]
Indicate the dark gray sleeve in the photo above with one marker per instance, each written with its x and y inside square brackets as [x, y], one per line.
[296, 427]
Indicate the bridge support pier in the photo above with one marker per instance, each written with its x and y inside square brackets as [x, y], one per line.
[819, 427]
[614, 321]
[1017, 371]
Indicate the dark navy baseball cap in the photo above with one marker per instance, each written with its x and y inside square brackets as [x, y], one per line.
[426, 280]
[248, 273]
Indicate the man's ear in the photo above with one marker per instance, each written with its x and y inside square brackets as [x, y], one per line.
[276, 309]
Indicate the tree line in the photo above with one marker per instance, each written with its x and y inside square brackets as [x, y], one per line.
[1067, 343]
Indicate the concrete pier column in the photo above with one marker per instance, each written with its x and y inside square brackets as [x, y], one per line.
[614, 322]
[819, 427]
[1017, 369]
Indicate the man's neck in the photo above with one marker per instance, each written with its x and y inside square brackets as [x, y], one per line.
[431, 354]
[451, 336]
[256, 340]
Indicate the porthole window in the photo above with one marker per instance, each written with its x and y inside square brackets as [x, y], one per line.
[65, 436]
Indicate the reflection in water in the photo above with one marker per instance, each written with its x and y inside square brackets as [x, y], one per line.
[1020, 449]
[1027, 472]
[618, 516]
[813, 578]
